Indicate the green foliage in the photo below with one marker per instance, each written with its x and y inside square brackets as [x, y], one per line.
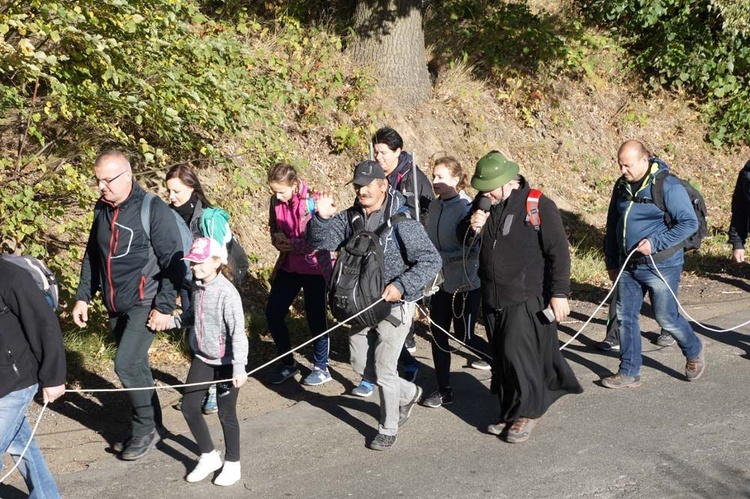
[160, 80]
[693, 46]
[499, 39]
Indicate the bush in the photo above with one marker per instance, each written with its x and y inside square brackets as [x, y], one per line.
[697, 46]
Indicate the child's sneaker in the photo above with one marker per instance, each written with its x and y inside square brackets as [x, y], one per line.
[317, 377]
[209, 403]
[230, 474]
[365, 389]
[207, 464]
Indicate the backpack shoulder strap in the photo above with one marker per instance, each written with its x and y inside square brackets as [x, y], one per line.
[532, 208]
[148, 199]
[657, 189]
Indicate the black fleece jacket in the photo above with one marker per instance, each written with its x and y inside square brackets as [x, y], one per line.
[120, 262]
[516, 262]
[740, 224]
[31, 347]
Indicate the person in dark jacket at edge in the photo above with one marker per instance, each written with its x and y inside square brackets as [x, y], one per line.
[31, 341]
[740, 223]
[400, 171]
[522, 272]
[139, 278]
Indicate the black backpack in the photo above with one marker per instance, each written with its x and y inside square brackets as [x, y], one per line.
[358, 278]
[699, 206]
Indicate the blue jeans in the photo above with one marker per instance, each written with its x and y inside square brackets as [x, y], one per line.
[284, 289]
[15, 432]
[633, 286]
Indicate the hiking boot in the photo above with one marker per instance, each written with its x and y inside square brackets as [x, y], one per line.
[520, 430]
[230, 474]
[317, 377]
[365, 389]
[500, 428]
[383, 442]
[138, 447]
[410, 372]
[665, 339]
[207, 464]
[405, 410]
[119, 446]
[695, 367]
[438, 399]
[410, 344]
[209, 403]
[621, 381]
[608, 346]
[480, 364]
[282, 374]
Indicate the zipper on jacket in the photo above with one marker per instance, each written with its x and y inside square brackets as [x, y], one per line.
[113, 239]
[13, 363]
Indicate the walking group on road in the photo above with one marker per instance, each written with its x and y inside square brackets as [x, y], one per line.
[403, 241]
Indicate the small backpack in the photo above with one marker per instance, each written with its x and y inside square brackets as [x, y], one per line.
[186, 236]
[532, 209]
[214, 223]
[358, 278]
[43, 277]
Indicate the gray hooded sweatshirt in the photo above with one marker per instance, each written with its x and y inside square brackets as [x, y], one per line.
[217, 324]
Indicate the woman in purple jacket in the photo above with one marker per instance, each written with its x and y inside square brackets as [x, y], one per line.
[298, 267]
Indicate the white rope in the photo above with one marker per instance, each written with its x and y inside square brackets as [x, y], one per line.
[685, 312]
[253, 371]
[478, 352]
[31, 439]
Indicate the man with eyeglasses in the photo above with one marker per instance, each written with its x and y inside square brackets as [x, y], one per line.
[138, 277]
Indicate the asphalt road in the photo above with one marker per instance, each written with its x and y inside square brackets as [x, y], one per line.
[669, 438]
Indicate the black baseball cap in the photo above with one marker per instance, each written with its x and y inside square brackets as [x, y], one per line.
[366, 172]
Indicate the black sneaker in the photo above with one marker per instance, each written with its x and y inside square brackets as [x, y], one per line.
[383, 442]
[438, 399]
[405, 410]
[608, 346]
[665, 339]
[138, 447]
[283, 373]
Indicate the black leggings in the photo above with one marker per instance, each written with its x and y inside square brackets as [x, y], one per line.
[226, 396]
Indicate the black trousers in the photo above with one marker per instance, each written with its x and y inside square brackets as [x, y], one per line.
[226, 397]
[529, 372]
[462, 313]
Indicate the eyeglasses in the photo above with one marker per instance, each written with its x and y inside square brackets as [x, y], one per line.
[107, 181]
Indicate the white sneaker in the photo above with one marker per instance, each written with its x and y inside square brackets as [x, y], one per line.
[207, 464]
[230, 474]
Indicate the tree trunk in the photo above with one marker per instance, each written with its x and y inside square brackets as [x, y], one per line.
[390, 40]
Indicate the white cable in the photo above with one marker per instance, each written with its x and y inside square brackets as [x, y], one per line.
[31, 439]
[483, 354]
[685, 312]
[185, 385]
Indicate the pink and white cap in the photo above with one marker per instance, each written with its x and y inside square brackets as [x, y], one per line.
[204, 248]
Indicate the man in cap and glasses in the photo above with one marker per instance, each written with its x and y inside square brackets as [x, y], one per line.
[524, 268]
[410, 261]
